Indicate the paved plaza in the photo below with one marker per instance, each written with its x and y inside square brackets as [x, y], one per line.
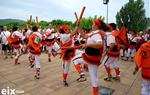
[21, 78]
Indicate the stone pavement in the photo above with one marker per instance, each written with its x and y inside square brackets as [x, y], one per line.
[21, 78]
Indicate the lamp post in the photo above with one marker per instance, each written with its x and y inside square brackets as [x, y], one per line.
[105, 2]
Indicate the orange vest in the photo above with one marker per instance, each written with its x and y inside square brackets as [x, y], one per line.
[92, 55]
[142, 60]
[34, 44]
[67, 54]
[14, 41]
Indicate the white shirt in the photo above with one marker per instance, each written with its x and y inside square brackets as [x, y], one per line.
[129, 35]
[17, 33]
[146, 36]
[57, 35]
[28, 33]
[134, 39]
[64, 37]
[40, 30]
[38, 34]
[49, 31]
[4, 36]
[110, 39]
[94, 38]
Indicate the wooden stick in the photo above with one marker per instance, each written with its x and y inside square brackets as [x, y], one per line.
[30, 19]
[37, 20]
[83, 9]
[76, 16]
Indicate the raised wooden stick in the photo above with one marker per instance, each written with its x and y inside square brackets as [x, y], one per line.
[83, 9]
[37, 20]
[30, 19]
[76, 16]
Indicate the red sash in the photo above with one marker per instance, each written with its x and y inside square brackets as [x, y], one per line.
[94, 59]
[67, 54]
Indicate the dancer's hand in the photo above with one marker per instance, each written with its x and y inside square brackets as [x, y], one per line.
[135, 70]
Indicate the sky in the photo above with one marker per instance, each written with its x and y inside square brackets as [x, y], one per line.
[61, 9]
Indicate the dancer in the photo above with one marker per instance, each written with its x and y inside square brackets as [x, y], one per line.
[142, 59]
[15, 39]
[78, 61]
[112, 53]
[66, 40]
[34, 49]
[94, 50]
[50, 40]
[132, 46]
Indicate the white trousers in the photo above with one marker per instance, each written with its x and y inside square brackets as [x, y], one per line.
[17, 53]
[29, 54]
[93, 74]
[110, 61]
[49, 49]
[145, 87]
[66, 65]
[55, 47]
[78, 60]
[123, 52]
[36, 60]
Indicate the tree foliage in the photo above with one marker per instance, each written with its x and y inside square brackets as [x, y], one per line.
[14, 24]
[58, 22]
[87, 22]
[132, 15]
[43, 24]
[32, 22]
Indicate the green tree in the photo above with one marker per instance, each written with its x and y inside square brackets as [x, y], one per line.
[87, 22]
[58, 22]
[43, 24]
[33, 22]
[148, 22]
[132, 15]
[13, 24]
